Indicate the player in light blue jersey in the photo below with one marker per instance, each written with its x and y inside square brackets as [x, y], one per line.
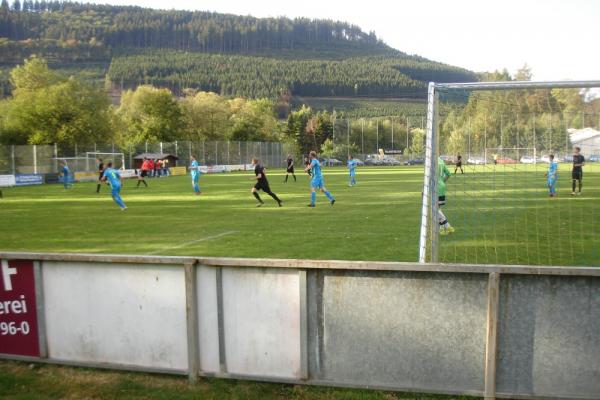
[352, 163]
[552, 175]
[195, 173]
[65, 172]
[316, 181]
[114, 178]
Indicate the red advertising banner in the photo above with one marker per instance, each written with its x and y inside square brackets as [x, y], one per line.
[18, 313]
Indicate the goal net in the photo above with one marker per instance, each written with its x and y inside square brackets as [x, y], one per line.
[78, 164]
[118, 160]
[498, 205]
[514, 155]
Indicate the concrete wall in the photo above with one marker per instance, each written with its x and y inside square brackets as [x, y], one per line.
[549, 337]
[405, 329]
[493, 331]
[116, 313]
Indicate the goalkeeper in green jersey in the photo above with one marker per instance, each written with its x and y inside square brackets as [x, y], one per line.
[443, 176]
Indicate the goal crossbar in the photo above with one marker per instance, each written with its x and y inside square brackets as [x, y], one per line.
[510, 85]
[101, 153]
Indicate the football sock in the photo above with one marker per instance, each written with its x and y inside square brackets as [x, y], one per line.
[274, 196]
[119, 201]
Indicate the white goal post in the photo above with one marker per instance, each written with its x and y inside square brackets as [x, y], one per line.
[429, 229]
[73, 163]
[92, 155]
[488, 157]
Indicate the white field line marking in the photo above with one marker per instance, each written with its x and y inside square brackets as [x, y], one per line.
[193, 241]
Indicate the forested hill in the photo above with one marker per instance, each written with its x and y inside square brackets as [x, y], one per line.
[305, 54]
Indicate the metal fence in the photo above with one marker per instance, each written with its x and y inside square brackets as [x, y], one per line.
[42, 159]
[363, 137]
[392, 135]
[493, 331]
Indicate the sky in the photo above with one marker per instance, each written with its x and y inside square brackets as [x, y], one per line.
[554, 37]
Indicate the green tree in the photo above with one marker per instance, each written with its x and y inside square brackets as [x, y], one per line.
[255, 121]
[338, 151]
[46, 108]
[207, 115]
[296, 130]
[149, 114]
[32, 75]
[524, 73]
[417, 147]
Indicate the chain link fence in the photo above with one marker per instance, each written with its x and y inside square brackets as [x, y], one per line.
[364, 138]
[45, 159]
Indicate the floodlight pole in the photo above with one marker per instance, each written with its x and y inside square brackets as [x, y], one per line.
[484, 139]
[362, 137]
[407, 134]
[34, 159]
[348, 137]
[55, 157]
[392, 119]
[534, 142]
[377, 135]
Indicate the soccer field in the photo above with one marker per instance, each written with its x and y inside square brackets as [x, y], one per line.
[501, 215]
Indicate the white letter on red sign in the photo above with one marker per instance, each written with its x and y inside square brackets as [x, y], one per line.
[6, 273]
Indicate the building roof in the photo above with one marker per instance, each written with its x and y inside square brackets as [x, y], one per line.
[579, 135]
[155, 156]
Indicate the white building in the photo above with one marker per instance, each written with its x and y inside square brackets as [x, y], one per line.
[587, 138]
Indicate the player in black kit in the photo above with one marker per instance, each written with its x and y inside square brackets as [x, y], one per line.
[290, 168]
[100, 173]
[262, 184]
[458, 164]
[577, 173]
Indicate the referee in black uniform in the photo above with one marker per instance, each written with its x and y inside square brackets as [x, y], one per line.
[577, 173]
[100, 172]
[262, 184]
[290, 168]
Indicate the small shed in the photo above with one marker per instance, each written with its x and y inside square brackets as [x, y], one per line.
[588, 139]
[139, 159]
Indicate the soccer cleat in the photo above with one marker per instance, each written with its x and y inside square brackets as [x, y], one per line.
[123, 208]
[311, 205]
[280, 203]
[572, 193]
[333, 202]
[260, 204]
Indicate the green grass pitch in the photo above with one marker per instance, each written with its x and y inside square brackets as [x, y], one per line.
[501, 215]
